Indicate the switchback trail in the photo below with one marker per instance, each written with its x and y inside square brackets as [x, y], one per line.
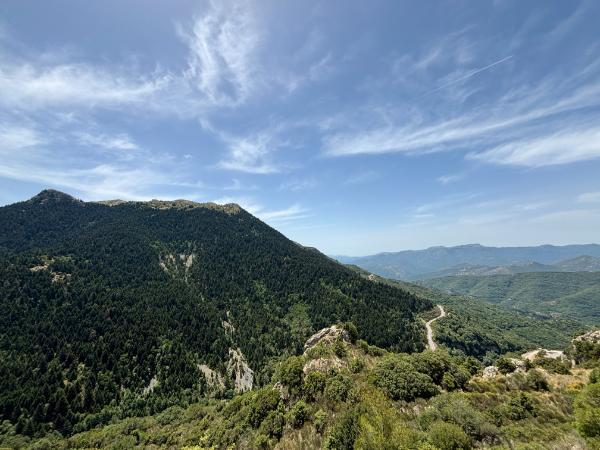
[430, 342]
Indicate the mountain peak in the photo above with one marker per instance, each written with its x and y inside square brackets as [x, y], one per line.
[52, 196]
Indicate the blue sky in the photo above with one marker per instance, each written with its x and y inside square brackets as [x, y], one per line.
[355, 127]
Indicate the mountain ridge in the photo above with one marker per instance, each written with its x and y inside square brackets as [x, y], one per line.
[417, 264]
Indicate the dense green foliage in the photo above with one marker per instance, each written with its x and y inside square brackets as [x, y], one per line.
[572, 296]
[480, 328]
[396, 401]
[107, 311]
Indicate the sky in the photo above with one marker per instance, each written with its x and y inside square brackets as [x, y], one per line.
[355, 127]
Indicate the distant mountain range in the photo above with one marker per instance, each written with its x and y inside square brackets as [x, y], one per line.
[475, 259]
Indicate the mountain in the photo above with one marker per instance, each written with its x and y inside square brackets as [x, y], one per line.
[342, 393]
[419, 264]
[480, 328]
[137, 306]
[565, 295]
[584, 263]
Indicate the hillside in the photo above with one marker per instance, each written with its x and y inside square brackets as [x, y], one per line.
[342, 393]
[475, 259]
[482, 329]
[572, 296]
[139, 306]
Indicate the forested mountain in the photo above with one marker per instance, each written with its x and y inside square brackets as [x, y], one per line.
[565, 295]
[475, 259]
[112, 309]
[484, 330]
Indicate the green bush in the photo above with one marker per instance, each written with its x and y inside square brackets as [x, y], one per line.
[273, 424]
[401, 381]
[264, 401]
[337, 388]
[587, 411]
[505, 366]
[352, 331]
[343, 433]
[432, 363]
[594, 376]
[320, 420]
[371, 350]
[314, 384]
[356, 365]
[289, 372]
[537, 381]
[339, 348]
[298, 414]
[520, 407]
[552, 365]
[447, 436]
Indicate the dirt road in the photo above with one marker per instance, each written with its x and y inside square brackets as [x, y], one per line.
[430, 342]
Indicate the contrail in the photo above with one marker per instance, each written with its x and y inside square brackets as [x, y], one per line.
[469, 75]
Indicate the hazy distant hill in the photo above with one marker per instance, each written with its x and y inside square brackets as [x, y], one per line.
[567, 295]
[475, 259]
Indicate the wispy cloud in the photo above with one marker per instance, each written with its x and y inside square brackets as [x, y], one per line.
[116, 142]
[222, 43]
[589, 197]
[299, 184]
[291, 213]
[250, 155]
[557, 148]
[15, 137]
[451, 178]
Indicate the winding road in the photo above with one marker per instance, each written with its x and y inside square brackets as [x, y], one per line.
[430, 342]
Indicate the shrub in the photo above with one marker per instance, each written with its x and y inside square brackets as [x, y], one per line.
[352, 331]
[289, 372]
[587, 411]
[265, 401]
[371, 350]
[343, 433]
[505, 366]
[314, 384]
[473, 365]
[594, 376]
[447, 436]
[432, 363]
[320, 420]
[401, 381]
[557, 365]
[298, 414]
[273, 424]
[339, 348]
[537, 381]
[356, 365]
[520, 407]
[337, 388]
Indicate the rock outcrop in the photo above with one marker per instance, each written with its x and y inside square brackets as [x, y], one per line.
[328, 336]
[238, 369]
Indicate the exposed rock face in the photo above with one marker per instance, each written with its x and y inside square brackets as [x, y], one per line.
[592, 336]
[327, 335]
[151, 386]
[177, 265]
[519, 363]
[238, 368]
[213, 378]
[490, 372]
[322, 364]
[542, 352]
